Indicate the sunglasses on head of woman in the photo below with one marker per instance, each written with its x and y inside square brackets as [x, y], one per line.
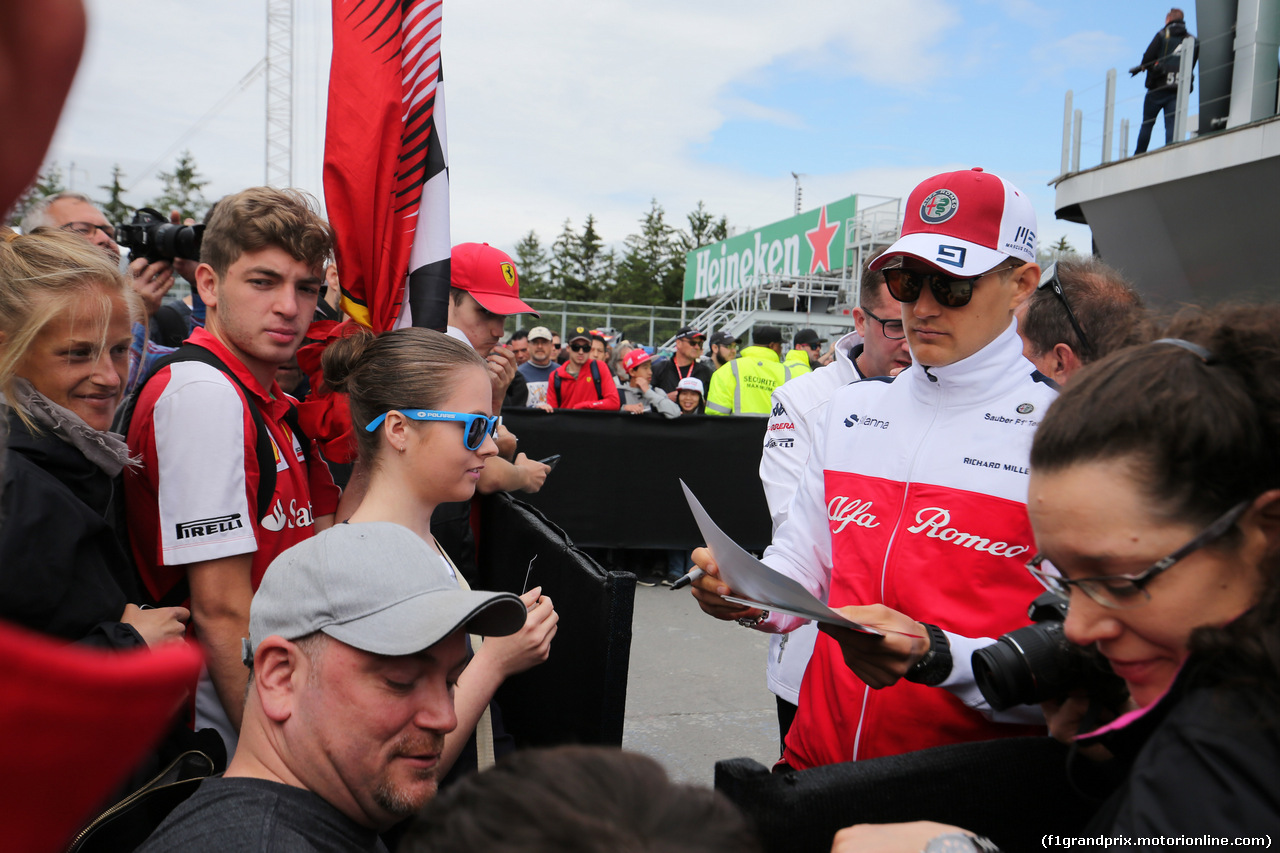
[475, 427]
[905, 285]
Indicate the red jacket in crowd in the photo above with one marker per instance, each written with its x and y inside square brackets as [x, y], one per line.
[593, 388]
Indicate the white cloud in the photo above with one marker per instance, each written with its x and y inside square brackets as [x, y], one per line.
[555, 109]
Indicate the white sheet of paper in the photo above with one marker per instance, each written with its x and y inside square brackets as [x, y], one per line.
[757, 585]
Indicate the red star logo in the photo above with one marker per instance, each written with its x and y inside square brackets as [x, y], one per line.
[823, 235]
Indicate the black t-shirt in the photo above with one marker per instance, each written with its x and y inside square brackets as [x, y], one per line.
[257, 816]
[666, 375]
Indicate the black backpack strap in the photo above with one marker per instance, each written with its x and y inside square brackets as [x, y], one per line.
[555, 378]
[264, 449]
[263, 446]
[595, 374]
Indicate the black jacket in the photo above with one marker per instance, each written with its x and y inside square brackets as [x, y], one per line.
[1156, 58]
[666, 375]
[1205, 761]
[62, 568]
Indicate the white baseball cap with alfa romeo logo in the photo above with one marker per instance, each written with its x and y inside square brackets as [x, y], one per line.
[965, 223]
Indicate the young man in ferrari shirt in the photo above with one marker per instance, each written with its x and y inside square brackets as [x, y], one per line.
[910, 516]
[198, 523]
[582, 382]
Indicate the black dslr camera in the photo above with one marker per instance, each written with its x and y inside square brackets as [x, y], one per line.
[152, 236]
[1038, 662]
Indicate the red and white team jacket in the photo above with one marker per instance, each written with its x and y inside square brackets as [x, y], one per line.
[194, 497]
[915, 497]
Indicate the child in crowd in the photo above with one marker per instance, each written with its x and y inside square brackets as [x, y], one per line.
[691, 396]
[638, 395]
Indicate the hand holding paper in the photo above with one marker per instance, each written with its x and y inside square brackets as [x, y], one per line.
[754, 584]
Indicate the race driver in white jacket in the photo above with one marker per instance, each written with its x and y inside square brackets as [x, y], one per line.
[877, 347]
[910, 516]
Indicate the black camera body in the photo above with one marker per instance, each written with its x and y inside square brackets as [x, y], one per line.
[152, 236]
[1038, 662]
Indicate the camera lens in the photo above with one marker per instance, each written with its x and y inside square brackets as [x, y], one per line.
[1025, 666]
[178, 241]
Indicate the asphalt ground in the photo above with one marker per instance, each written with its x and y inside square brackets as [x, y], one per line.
[696, 691]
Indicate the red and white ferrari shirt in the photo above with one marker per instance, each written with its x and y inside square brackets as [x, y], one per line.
[195, 496]
[915, 497]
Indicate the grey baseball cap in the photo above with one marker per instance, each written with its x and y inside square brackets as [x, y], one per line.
[375, 586]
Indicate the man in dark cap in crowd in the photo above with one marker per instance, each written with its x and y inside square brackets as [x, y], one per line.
[687, 361]
[806, 351]
[724, 349]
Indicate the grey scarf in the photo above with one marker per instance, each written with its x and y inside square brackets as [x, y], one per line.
[105, 449]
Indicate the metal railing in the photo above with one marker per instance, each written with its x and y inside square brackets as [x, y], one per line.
[1074, 119]
[637, 323]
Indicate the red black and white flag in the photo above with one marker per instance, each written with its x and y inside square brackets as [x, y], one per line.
[386, 179]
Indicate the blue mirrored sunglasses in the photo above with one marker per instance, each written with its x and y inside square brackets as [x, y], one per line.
[475, 427]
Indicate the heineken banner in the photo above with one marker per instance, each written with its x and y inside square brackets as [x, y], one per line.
[811, 243]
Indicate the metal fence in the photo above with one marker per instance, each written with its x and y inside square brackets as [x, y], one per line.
[641, 324]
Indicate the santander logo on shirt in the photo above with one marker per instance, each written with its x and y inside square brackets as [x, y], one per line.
[278, 519]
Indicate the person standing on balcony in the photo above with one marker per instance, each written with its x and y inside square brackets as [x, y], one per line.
[1161, 61]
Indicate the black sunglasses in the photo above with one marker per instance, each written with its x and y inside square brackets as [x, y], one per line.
[1049, 279]
[580, 347]
[905, 285]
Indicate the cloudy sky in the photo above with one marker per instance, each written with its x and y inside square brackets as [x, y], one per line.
[560, 108]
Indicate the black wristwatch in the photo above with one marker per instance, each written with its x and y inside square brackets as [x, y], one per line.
[932, 669]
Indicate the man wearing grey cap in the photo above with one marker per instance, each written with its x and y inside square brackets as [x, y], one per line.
[541, 364]
[356, 638]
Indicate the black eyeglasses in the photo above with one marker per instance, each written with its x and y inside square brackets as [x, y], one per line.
[580, 347]
[1123, 591]
[475, 427]
[892, 328]
[1049, 279]
[905, 285]
[86, 229]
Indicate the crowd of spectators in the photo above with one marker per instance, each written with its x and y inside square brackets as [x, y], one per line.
[158, 490]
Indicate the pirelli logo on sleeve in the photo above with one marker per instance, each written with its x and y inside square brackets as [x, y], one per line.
[209, 526]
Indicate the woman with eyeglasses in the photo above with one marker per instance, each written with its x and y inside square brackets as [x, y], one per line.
[66, 316]
[1155, 499]
[421, 407]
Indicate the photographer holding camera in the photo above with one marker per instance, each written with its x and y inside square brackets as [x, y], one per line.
[1155, 499]
[71, 211]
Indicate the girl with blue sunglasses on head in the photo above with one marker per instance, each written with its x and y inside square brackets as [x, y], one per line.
[421, 404]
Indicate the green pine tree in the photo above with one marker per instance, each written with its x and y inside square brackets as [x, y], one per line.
[115, 208]
[581, 271]
[533, 264]
[651, 271]
[182, 190]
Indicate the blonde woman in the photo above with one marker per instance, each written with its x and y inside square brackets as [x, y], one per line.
[66, 316]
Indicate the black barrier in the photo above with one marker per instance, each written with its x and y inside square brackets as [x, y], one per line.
[579, 694]
[617, 484]
[1012, 790]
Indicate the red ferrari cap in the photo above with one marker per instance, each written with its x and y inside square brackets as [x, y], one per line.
[489, 275]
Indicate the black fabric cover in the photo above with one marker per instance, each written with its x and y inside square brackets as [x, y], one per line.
[579, 694]
[1013, 790]
[618, 481]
